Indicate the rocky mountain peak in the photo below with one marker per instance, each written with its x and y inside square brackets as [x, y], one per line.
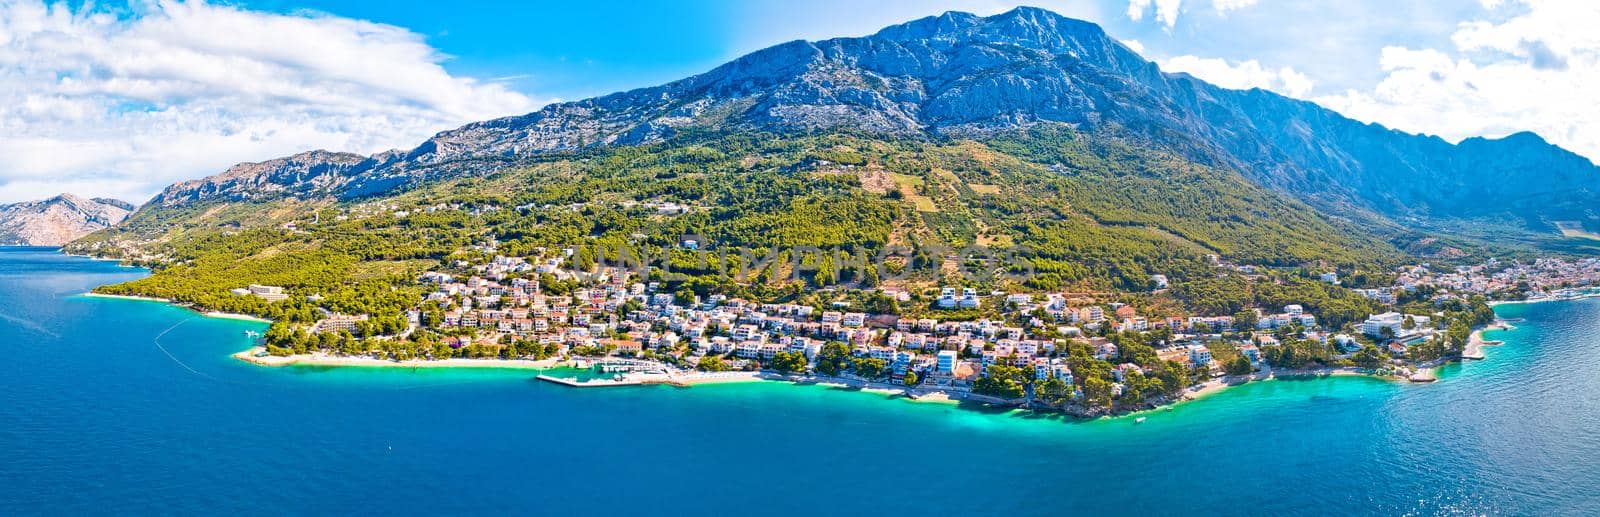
[959, 74]
[58, 220]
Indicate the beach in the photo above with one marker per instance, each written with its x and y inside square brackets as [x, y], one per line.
[1219, 385]
[252, 356]
[234, 316]
[208, 314]
[92, 294]
[1476, 342]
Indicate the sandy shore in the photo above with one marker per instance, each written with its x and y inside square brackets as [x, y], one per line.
[1476, 342]
[126, 297]
[253, 356]
[235, 316]
[208, 314]
[1207, 389]
[250, 356]
[934, 397]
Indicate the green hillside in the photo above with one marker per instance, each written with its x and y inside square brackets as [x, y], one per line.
[1082, 211]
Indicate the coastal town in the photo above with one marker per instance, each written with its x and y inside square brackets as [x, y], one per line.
[1081, 353]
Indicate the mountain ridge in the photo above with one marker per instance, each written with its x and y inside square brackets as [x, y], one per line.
[58, 220]
[959, 73]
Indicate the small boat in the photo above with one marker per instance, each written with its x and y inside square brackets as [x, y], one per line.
[1139, 420]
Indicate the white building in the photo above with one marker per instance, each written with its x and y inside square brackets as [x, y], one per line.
[269, 293]
[1375, 324]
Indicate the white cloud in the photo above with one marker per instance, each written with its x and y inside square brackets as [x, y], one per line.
[102, 105]
[1223, 6]
[1241, 75]
[1166, 11]
[1533, 71]
[1135, 45]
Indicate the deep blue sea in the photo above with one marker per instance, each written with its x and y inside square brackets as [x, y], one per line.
[126, 407]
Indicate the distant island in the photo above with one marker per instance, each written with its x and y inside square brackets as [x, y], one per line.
[1017, 210]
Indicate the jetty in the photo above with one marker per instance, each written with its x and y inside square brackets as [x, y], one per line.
[591, 383]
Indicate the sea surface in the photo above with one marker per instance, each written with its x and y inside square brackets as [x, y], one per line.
[126, 407]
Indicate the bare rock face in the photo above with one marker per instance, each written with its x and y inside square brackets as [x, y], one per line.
[959, 74]
[58, 220]
[301, 174]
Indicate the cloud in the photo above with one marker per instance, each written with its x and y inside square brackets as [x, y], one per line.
[1223, 6]
[1535, 70]
[1166, 11]
[102, 104]
[1241, 75]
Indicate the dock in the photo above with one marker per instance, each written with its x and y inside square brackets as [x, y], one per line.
[591, 383]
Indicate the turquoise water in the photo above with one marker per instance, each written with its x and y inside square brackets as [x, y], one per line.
[114, 406]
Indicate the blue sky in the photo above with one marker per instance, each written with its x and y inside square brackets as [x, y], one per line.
[570, 50]
[122, 99]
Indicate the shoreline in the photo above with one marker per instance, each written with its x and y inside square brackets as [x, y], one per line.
[235, 316]
[209, 314]
[1573, 298]
[253, 355]
[250, 356]
[92, 294]
[1422, 373]
[1476, 342]
[934, 395]
[1219, 385]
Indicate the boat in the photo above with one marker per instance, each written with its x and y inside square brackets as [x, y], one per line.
[1139, 420]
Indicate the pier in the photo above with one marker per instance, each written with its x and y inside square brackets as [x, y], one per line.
[591, 383]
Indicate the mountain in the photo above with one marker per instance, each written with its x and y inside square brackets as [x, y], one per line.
[58, 220]
[959, 74]
[1026, 132]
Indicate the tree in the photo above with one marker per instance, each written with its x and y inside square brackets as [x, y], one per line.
[871, 368]
[1003, 381]
[1053, 391]
[1367, 357]
[788, 362]
[1245, 320]
[1097, 391]
[628, 307]
[833, 358]
[911, 379]
[1240, 365]
[713, 363]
